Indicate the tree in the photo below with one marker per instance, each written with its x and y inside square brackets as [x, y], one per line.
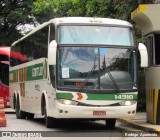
[19, 12]
[12, 14]
[93, 8]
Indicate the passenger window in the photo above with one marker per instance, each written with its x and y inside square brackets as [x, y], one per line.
[52, 32]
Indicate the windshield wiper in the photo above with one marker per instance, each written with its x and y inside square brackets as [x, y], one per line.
[88, 77]
[112, 79]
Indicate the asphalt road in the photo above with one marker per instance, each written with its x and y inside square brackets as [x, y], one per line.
[79, 129]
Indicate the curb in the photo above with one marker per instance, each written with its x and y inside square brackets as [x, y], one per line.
[140, 126]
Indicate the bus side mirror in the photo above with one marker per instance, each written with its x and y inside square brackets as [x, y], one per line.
[143, 55]
[52, 49]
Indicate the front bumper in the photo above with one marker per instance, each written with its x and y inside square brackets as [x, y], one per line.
[83, 112]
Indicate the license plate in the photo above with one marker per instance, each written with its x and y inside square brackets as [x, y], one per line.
[99, 113]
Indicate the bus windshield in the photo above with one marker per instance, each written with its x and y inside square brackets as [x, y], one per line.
[95, 35]
[96, 68]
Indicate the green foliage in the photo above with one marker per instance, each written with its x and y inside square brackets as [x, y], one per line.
[94, 8]
[12, 14]
[20, 12]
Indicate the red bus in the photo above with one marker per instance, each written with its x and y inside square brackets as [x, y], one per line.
[4, 74]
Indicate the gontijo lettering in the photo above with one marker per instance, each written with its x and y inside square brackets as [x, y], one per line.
[38, 71]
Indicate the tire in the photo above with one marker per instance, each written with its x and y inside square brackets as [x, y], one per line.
[110, 123]
[30, 116]
[14, 102]
[49, 121]
[19, 114]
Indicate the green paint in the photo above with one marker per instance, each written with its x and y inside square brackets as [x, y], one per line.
[13, 76]
[64, 96]
[34, 72]
[122, 96]
[112, 96]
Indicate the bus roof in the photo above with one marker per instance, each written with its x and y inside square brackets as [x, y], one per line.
[78, 20]
[90, 20]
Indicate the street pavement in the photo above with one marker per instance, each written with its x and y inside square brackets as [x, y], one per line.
[140, 122]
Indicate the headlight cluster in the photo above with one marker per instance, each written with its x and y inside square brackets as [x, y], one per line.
[70, 102]
[67, 102]
[127, 103]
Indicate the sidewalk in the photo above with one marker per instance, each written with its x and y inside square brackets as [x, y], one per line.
[140, 122]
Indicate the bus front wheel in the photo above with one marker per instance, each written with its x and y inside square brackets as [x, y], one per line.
[110, 123]
[49, 121]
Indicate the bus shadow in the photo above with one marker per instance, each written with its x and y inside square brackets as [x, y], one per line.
[77, 125]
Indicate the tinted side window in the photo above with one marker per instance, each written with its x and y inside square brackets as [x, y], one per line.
[31, 48]
[15, 56]
[36, 45]
[52, 32]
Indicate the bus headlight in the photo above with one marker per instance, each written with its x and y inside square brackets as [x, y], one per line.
[67, 102]
[127, 103]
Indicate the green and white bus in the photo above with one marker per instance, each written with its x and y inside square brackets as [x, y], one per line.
[75, 68]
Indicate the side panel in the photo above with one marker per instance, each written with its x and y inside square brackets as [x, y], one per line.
[31, 81]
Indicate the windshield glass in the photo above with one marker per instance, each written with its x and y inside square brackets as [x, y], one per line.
[95, 35]
[96, 68]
